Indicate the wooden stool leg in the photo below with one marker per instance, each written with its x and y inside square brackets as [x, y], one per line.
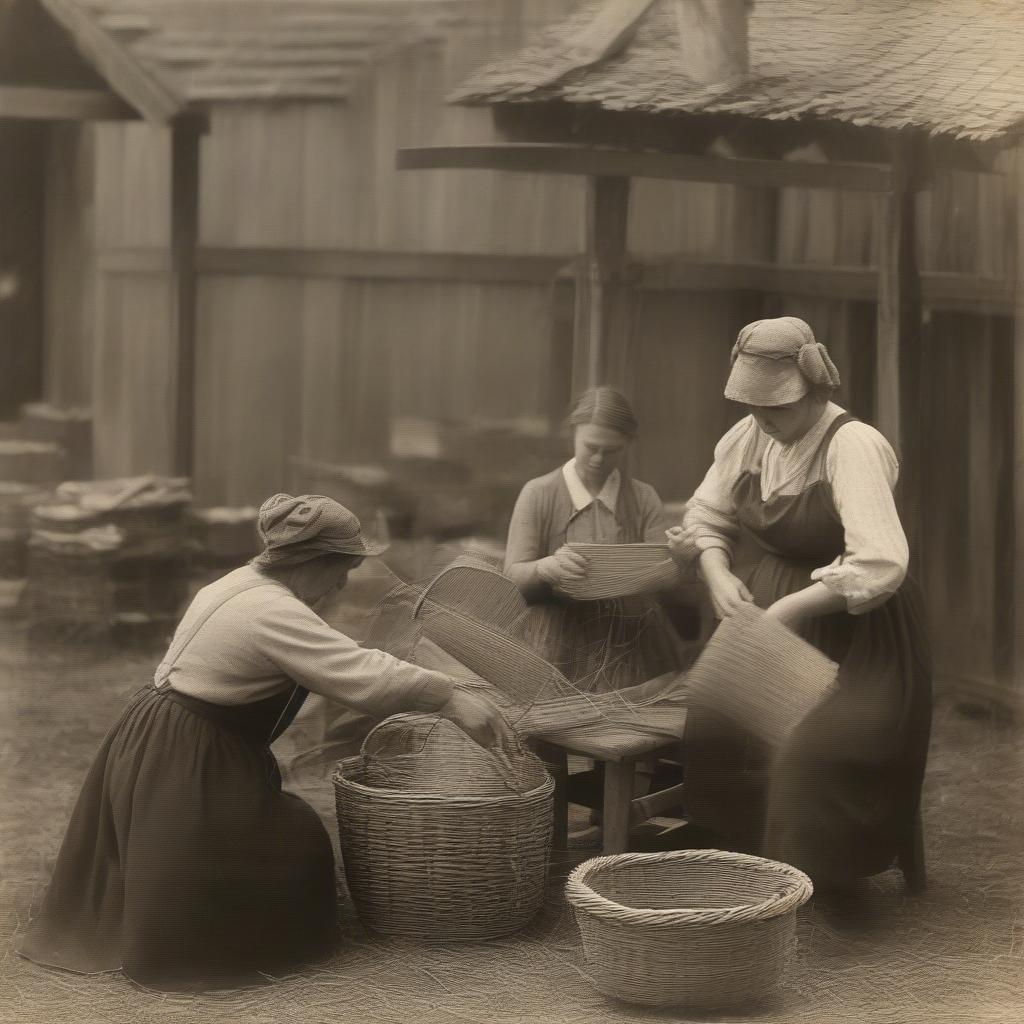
[910, 858]
[618, 794]
[557, 762]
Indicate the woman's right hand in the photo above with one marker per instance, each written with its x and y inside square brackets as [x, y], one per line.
[481, 720]
[564, 566]
[728, 592]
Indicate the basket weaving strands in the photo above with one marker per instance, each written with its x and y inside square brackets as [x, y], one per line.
[695, 928]
[394, 628]
[622, 570]
[477, 589]
[419, 753]
[657, 707]
[761, 675]
[508, 664]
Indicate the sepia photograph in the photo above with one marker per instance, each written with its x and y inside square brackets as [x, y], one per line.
[511, 511]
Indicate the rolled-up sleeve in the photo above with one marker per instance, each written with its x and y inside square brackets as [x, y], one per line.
[302, 646]
[862, 470]
[711, 513]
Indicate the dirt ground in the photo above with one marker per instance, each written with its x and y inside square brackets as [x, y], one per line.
[955, 954]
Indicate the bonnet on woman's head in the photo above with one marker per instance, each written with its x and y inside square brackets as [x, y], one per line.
[605, 407]
[297, 529]
[778, 361]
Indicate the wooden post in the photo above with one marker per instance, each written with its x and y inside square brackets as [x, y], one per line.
[1017, 569]
[602, 321]
[898, 406]
[184, 242]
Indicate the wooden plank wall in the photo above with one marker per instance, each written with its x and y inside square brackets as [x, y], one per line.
[133, 368]
[69, 320]
[22, 167]
[315, 364]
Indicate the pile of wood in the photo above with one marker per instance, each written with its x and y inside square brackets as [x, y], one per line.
[111, 555]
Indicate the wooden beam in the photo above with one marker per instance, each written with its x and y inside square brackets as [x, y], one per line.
[38, 104]
[602, 321]
[940, 290]
[898, 405]
[373, 264]
[185, 145]
[1018, 436]
[608, 161]
[134, 261]
[118, 66]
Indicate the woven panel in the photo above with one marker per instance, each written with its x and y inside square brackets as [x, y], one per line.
[451, 868]
[695, 928]
[947, 66]
[622, 570]
[507, 663]
[761, 675]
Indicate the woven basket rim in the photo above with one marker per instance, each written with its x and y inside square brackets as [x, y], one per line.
[583, 898]
[341, 780]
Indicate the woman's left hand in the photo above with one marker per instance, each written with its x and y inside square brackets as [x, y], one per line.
[682, 543]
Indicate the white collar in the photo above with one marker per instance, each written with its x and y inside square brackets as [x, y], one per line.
[581, 497]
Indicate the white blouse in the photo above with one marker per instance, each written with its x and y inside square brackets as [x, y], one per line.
[261, 641]
[861, 469]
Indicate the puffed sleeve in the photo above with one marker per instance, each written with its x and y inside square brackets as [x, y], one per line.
[653, 518]
[711, 512]
[525, 543]
[862, 470]
[303, 647]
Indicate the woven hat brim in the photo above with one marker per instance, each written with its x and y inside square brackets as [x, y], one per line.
[756, 380]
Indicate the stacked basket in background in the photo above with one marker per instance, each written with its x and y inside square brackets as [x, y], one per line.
[29, 470]
[441, 839]
[110, 556]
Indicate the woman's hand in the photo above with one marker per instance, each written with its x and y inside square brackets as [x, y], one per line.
[728, 592]
[787, 612]
[481, 720]
[682, 543]
[564, 566]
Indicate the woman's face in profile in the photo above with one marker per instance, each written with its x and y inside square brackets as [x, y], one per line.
[788, 423]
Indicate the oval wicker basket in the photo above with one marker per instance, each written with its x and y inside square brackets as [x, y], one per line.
[439, 865]
[694, 928]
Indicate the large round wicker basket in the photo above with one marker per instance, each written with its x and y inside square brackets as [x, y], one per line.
[695, 928]
[443, 866]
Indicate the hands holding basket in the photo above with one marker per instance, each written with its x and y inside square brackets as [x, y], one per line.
[563, 567]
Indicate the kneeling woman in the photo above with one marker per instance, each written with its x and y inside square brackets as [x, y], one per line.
[185, 863]
[812, 488]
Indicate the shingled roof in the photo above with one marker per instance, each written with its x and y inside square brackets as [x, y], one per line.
[951, 67]
[201, 51]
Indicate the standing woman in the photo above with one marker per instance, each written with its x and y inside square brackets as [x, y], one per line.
[598, 645]
[812, 488]
[184, 863]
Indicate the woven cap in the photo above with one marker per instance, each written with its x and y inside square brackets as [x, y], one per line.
[296, 529]
[777, 361]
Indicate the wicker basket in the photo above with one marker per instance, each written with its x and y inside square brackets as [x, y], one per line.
[440, 866]
[694, 928]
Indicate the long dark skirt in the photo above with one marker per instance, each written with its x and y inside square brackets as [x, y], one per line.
[841, 795]
[184, 863]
